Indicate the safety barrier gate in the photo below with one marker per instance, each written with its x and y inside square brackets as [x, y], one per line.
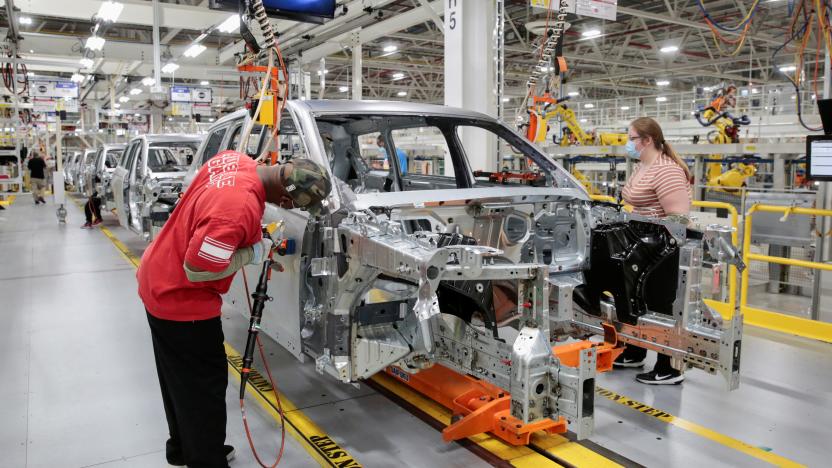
[774, 320]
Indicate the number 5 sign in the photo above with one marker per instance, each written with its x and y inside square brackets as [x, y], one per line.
[451, 14]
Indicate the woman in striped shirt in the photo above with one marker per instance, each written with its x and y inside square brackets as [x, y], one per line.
[659, 187]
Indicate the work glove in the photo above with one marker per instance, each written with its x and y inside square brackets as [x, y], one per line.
[261, 251]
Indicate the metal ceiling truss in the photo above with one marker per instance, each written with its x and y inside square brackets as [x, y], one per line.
[624, 61]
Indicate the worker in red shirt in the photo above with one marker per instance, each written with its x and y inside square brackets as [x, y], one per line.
[214, 231]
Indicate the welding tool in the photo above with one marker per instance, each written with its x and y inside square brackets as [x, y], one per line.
[282, 246]
[260, 297]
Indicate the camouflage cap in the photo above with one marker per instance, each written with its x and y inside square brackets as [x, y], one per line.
[307, 184]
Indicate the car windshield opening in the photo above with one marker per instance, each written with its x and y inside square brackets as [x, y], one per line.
[170, 157]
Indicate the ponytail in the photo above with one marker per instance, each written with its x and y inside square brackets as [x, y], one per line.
[671, 153]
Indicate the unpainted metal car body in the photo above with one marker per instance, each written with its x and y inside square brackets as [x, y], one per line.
[69, 163]
[147, 182]
[76, 173]
[100, 171]
[413, 264]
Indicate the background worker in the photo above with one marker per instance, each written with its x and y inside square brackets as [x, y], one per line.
[727, 99]
[214, 231]
[37, 176]
[659, 187]
[399, 152]
[92, 212]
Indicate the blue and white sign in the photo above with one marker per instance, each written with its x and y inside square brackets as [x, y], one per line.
[54, 89]
[180, 94]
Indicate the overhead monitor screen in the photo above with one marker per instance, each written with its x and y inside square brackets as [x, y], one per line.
[315, 11]
[819, 157]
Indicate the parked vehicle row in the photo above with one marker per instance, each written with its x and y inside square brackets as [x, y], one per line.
[146, 184]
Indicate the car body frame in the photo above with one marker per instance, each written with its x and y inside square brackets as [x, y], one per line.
[413, 267]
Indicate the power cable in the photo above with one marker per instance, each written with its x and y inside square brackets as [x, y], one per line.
[739, 26]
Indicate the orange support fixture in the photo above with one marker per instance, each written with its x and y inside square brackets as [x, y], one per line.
[479, 406]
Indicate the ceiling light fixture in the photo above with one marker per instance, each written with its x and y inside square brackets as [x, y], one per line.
[573, 93]
[170, 67]
[109, 11]
[582, 121]
[95, 43]
[625, 107]
[661, 99]
[397, 76]
[116, 106]
[204, 83]
[591, 33]
[401, 94]
[390, 48]
[668, 49]
[123, 99]
[148, 81]
[788, 68]
[230, 25]
[343, 89]
[505, 99]
[662, 83]
[323, 72]
[135, 91]
[589, 105]
[86, 62]
[24, 20]
[77, 78]
[194, 50]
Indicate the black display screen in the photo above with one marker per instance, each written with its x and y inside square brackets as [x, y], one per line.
[819, 157]
[314, 11]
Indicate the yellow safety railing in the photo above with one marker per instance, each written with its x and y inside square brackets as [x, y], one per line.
[604, 198]
[773, 320]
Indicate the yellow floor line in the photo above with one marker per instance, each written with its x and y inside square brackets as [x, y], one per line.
[701, 431]
[315, 441]
[312, 438]
[8, 201]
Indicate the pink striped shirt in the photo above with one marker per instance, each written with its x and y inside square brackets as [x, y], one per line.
[661, 178]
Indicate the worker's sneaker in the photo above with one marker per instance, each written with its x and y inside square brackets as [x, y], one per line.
[87, 226]
[654, 377]
[627, 361]
[229, 455]
[96, 222]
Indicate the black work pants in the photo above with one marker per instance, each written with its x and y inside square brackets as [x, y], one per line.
[92, 209]
[193, 375]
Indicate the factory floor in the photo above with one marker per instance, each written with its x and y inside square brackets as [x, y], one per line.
[79, 386]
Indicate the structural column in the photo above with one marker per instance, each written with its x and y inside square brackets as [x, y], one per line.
[470, 74]
[357, 65]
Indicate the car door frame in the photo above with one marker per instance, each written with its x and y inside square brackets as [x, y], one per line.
[120, 181]
[135, 197]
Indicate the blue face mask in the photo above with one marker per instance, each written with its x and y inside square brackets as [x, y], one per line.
[632, 152]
